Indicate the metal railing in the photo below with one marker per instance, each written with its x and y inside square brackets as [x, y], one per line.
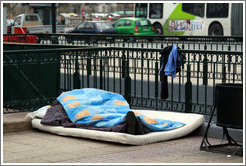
[219, 43]
[132, 72]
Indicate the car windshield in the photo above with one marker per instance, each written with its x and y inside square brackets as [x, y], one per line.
[143, 23]
[104, 25]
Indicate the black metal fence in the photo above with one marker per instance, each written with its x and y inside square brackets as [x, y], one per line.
[36, 77]
[219, 43]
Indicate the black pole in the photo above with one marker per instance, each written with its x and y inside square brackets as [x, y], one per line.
[53, 8]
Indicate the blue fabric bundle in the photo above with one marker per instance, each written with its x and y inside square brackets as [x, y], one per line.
[170, 68]
[101, 108]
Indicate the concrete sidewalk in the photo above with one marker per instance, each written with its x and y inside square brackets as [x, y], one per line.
[22, 144]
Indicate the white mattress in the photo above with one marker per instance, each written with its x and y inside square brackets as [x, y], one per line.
[193, 121]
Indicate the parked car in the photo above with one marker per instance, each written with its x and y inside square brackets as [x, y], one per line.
[134, 26]
[31, 23]
[91, 27]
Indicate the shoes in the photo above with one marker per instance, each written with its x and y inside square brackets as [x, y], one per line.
[131, 123]
[134, 125]
[139, 127]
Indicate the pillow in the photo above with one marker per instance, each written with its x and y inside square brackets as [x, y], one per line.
[38, 113]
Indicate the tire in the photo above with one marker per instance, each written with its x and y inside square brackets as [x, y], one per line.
[215, 30]
[158, 29]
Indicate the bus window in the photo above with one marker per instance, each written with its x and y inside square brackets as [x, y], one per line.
[194, 8]
[141, 10]
[156, 10]
[217, 10]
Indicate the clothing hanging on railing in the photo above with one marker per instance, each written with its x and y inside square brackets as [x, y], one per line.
[171, 62]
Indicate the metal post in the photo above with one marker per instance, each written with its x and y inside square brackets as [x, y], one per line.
[124, 65]
[76, 77]
[205, 70]
[127, 81]
[188, 92]
[53, 7]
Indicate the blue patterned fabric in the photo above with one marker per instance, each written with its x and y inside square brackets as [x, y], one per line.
[101, 108]
[170, 68]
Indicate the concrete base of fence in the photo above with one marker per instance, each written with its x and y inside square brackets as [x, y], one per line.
[14, 122]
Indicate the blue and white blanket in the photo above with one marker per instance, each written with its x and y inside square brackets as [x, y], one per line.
[101, 108]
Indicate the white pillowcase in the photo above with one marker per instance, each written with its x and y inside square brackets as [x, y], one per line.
[38, 114]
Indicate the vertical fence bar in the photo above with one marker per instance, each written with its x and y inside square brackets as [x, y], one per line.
[148, 83]
[127, 81]
[70, 71]
[198, 71]
[214, 82]
[95, 70]
[64, 61]
[101, 70]
[76, 77]
[82, 56]
[108, 66]
[114, 62]
[156, 81]
[123, 64]
[205, 70]
[88, 68]
[121, 69]
[188, 91]
[223, 69]
[135, 75]
[142, 67]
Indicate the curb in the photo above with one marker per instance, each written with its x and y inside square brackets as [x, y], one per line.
[15, 122]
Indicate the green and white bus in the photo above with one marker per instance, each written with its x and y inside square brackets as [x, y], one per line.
[194, 19]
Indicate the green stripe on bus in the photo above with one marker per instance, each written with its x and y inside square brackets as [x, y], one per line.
[177, 14]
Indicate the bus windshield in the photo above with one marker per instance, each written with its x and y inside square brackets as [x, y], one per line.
[141, 10]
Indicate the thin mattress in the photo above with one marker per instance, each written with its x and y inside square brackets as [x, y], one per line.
[193, 121]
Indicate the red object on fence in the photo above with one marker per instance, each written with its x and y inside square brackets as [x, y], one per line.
[20, 39]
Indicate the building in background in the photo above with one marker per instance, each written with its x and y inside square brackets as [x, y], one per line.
[86, 11]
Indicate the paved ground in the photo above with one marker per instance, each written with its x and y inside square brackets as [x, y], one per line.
[34, 146]
[22, 144]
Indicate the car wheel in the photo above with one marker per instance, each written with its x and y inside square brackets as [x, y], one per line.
[158, 29]
[215, 29]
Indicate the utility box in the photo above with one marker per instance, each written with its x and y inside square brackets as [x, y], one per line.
[229, 98]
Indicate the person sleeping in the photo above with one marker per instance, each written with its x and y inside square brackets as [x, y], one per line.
[97, 109]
